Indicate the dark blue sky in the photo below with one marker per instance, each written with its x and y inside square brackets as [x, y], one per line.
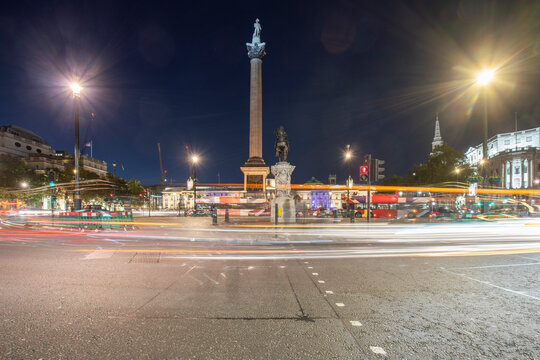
[371, 74]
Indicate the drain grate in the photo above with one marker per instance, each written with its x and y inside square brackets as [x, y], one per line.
[142, 257]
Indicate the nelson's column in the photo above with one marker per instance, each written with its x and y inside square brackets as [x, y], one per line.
[255, 170]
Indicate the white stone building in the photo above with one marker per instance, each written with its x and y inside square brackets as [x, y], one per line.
[513, 156]
[17, 141]
[39, 155]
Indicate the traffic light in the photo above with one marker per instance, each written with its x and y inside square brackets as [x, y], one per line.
[378, 175]
[140, 195]
[52, 178]
[364, 173]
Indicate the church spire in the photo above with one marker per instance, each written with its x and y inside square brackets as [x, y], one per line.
[437, 139]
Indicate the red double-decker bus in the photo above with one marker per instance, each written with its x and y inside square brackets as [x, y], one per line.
[383, 205]
[394, 205]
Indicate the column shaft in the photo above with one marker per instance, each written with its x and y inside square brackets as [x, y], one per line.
[255, 109]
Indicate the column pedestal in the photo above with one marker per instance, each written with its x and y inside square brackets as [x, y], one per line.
[286, 207]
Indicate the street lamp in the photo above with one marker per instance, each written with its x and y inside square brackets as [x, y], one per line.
[114, 168]
[76, 89]
[485, 77]
[457, 174]
[194, 161]
[24, 184]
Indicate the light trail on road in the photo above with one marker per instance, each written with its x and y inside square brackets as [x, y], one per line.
[362, 240]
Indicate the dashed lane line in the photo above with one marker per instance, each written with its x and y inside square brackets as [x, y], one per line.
[361, 348]
[355, 323]
[321, 281]
[377, 350]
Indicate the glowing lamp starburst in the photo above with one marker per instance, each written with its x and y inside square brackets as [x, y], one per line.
[485, 77]
[76, 88]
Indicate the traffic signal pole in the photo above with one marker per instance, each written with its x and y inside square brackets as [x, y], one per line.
[368, 201]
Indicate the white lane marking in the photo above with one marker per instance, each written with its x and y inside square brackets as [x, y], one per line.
[197, 280]
[340, 304]
[209, 278]
[496, 266]
[377, 350]
[222, 274]
[528, 258]
[355, 323]
[310, 267]
[306, 262]
[250, 267]
[329, 292]
[282, 267]
[98, 255]
[321, 281]
[495, 286]
[315, 274]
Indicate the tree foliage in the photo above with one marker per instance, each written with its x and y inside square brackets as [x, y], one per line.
[440, 167]
[14, 171]
[134, 187]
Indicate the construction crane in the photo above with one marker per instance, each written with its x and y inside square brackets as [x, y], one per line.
[161, 164]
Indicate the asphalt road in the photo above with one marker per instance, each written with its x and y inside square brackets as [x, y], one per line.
[178, 290]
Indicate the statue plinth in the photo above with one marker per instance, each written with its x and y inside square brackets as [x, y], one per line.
[285, 203]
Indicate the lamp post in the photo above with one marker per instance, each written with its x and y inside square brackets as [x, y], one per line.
[483, 79]
[457, 174]
[194, 161]
[76, 88]
[114, 168]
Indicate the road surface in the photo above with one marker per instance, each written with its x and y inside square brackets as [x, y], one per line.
[171, 290]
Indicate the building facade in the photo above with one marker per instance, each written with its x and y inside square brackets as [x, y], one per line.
[17, 141]
[39, 155]
[514, 157]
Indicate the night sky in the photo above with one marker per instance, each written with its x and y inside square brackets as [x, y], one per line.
[371, 74]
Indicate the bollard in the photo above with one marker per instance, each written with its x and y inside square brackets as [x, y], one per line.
[276, 215]
[353, 213]
[226, 215]
[214, 216]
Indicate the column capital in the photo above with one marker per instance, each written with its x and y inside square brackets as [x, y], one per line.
[256, 50]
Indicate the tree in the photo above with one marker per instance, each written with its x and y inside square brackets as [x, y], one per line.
[440, 167]
[14, 170]
[134, 187]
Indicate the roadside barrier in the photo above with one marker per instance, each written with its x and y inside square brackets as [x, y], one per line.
[95, 220]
